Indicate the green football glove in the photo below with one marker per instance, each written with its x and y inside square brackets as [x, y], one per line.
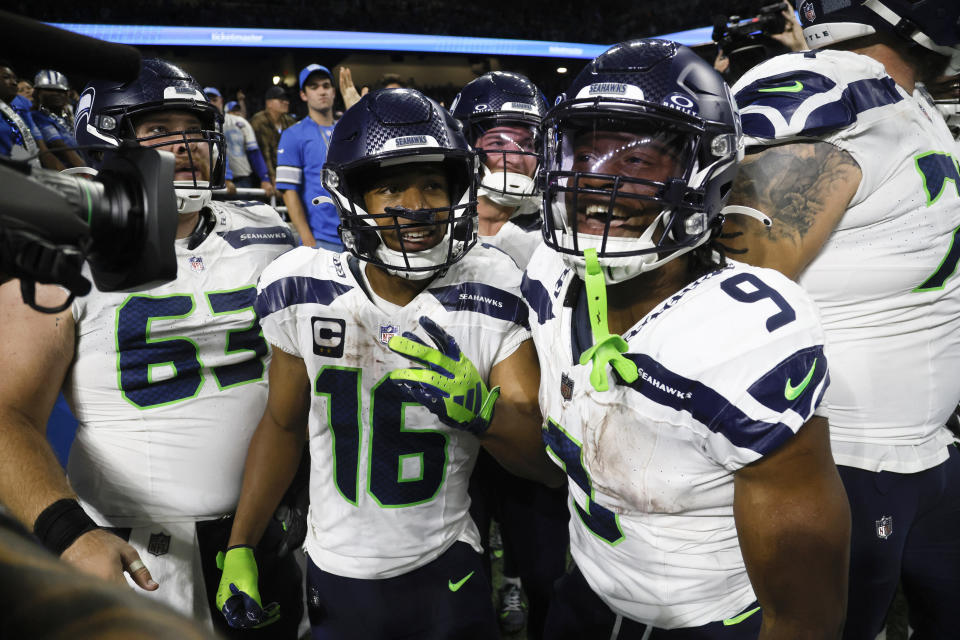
[448, 385]
[238, 596]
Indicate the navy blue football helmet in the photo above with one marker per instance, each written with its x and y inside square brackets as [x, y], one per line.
[501, 113]
[107, 115]
[386, 129]
[934, 24]
[639, 156]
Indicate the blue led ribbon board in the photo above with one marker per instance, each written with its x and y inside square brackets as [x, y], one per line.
[350, 40]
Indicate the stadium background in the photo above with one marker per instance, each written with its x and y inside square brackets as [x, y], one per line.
[247, 45]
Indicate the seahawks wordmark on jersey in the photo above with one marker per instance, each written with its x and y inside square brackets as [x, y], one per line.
[168, 384]
[729, 369]
[388, 486]
[885, 280]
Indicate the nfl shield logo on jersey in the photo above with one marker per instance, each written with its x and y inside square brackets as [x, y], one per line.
[885, 527]
[808, 11]
[387, 331]
[566, 386]
[159, 544]
[196, 263]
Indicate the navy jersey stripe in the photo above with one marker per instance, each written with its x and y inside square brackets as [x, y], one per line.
[537, 297]
[781, 92]
[786, 92]
[482, 298]
[287, 292]
[775, 387]
[258, 235]
[706, 406]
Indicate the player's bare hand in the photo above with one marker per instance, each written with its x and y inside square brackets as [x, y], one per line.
[267, 187]
[105, 555]
[347, 89]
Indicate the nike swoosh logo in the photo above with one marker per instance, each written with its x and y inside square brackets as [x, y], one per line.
[455, 586]
[740, 618]
[791, 392]
[789, 88]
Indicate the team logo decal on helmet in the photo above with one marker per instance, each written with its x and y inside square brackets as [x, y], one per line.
[639, 155]
[501, 114]
[108, 112]
[396, 128]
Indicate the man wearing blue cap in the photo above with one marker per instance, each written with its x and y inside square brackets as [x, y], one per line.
[300, 158]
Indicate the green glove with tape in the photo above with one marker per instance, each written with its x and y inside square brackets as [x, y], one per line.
[238, 596]
[449, 385]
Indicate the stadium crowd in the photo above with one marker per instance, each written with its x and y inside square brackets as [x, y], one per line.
[686, 334]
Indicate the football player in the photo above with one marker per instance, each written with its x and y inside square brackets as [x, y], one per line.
[392, 549]
[680, 390]
[166, 383]
[501, 114]
[859, 174]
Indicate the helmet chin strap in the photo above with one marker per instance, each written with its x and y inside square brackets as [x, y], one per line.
[616, 269]
[189, 198]
[426, 258]
[509, 189]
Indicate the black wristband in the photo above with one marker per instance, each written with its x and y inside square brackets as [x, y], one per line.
[61, 524]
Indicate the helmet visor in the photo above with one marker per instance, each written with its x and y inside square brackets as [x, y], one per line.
[616, 178]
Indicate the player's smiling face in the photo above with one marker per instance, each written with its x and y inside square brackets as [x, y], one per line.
[178, 132]
[644, 156]
[411, 187]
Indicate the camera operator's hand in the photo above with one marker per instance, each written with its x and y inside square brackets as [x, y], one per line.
[721, 63]
[106, 555]
[792, 36]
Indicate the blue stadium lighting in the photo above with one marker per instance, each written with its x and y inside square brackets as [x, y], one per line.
[144, 35]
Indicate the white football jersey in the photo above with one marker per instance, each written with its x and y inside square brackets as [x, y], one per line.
[730, 368]
[885, 280]
[388, 484]
[168, 384]
[518, 238]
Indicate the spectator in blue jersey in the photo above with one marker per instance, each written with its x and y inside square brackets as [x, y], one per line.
[300, 157]
[16, 139]
[247, 166]
[51, 117]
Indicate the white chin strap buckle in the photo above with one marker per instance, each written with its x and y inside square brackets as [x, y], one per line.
[750, 212]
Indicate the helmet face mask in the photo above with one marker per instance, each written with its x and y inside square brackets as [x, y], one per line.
[637, 164]
[392, 143]
[109, 114]
[617, 185]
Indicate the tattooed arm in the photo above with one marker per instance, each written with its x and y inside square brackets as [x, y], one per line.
[805, 188]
